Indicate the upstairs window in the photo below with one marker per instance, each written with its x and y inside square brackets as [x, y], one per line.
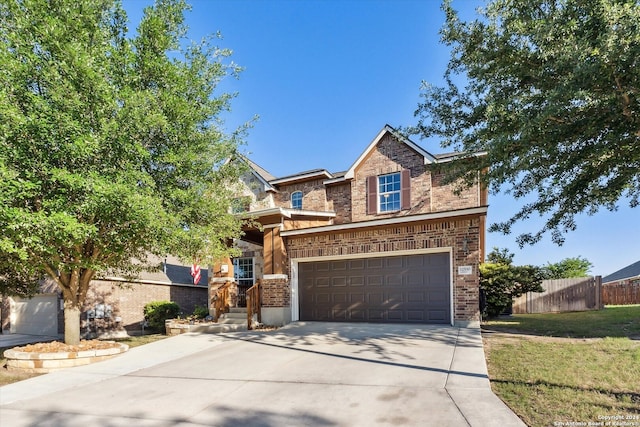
[389, 193]
[240, 205]
[296, 200]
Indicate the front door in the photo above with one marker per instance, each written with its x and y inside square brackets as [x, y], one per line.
[243, 273]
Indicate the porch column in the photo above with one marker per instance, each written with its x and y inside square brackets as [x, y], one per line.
[221, 272]
[274, 251]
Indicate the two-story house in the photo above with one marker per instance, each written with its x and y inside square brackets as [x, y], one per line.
[384, 241]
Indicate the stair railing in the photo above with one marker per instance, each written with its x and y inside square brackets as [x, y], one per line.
[221, 300]
[254, 303]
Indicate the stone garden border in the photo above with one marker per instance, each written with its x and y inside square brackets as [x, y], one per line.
[42, 363]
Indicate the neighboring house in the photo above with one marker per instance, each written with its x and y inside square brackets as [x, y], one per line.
[629, 275]
[384, 241]
[623, 286]
[39, 315]
[112, 303]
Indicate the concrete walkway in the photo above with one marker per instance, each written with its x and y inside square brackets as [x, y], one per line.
[313, 374]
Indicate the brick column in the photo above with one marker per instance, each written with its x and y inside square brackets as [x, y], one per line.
[276, 299]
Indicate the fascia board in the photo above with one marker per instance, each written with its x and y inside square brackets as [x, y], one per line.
[388, 221]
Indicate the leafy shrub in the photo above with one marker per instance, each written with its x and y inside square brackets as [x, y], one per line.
[501, 281]
[200, 312]
[156, 312]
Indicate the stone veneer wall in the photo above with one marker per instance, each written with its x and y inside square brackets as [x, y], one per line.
[425, 235]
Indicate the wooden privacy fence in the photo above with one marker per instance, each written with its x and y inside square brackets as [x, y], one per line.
[578, 294]
[621, 293]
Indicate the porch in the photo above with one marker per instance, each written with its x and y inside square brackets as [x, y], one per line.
[259, 279]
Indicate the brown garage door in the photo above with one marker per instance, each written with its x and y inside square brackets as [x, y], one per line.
[402, 289]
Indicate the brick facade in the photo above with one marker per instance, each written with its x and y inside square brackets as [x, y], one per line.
[415, 237]
[127, 300]
[339, 201]
[436, 219]
[314, 196]
[276, 292]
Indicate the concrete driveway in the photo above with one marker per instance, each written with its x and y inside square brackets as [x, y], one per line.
[305, 374]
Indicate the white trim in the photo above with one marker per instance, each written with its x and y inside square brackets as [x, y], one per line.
[121, 279]
[387, 221]
[295, 301]
[325, 214]
[334, 180]
[286, 212]
[222, 279]
[455, 156]
[276, 225]
[301, 199]
[301, 177]
[275, 277]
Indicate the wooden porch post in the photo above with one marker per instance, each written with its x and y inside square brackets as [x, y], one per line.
[274, 251]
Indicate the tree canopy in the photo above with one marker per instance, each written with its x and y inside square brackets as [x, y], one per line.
[112, 146]
[548, 91]
[567, 268]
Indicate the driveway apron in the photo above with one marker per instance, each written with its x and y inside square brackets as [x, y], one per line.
[304, 374]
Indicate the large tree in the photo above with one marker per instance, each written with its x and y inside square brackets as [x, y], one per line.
[549, 91]
[111, 144]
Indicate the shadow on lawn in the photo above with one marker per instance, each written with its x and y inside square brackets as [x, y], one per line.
[613, 322]
[623, 397]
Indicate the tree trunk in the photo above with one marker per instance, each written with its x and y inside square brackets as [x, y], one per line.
[71, 323]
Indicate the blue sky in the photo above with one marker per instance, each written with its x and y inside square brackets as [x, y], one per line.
[325, 76]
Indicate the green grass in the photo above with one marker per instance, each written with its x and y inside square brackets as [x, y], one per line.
[613, 321]
[567, 367]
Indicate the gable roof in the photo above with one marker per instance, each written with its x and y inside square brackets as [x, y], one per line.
[627, 272]
[302, 176]
[261, 173]
[428, 157]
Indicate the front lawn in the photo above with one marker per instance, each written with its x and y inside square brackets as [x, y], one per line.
[569, 367]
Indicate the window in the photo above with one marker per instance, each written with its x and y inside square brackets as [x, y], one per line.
[243, 271]
[296, 200]
[240, 205]
[389, 192]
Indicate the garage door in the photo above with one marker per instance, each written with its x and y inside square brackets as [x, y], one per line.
[36, 316]
[402, 289]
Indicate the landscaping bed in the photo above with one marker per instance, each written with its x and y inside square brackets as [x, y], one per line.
[42, 358]
[10, 376]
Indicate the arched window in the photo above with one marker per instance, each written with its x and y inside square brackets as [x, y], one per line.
[296, 200]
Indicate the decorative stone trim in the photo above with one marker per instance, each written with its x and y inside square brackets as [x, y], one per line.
[42, 363]
[275, 277]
